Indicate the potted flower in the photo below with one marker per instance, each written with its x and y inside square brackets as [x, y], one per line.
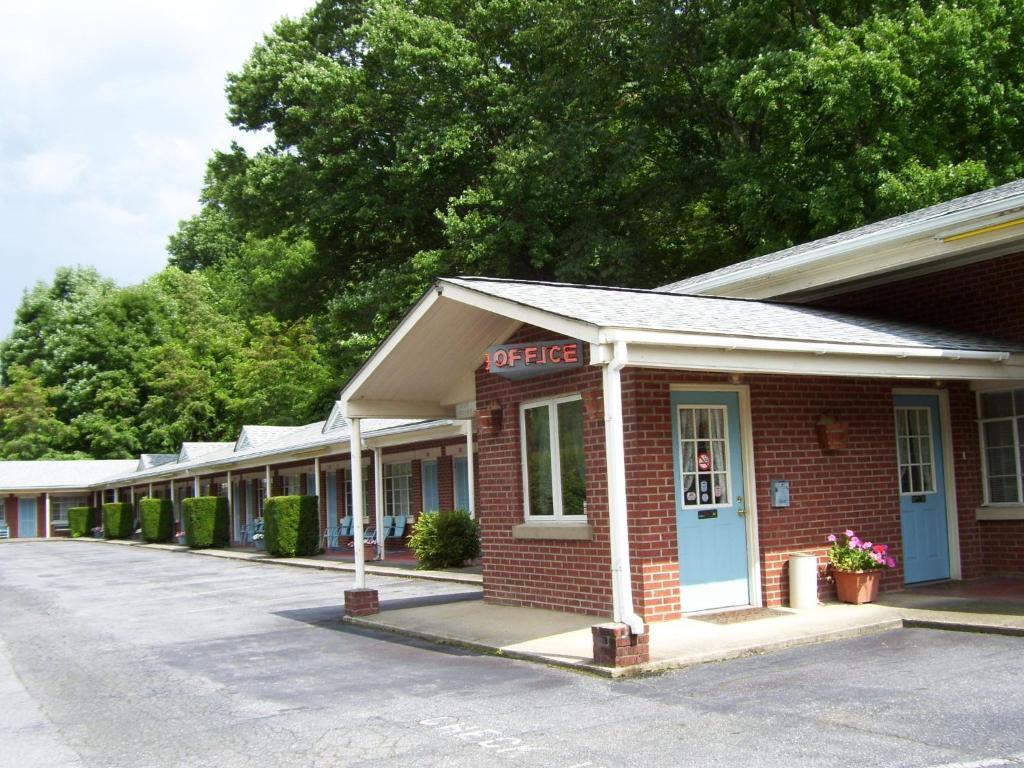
[97, 532]
[259, 541]
[179, 537]
[857, 566]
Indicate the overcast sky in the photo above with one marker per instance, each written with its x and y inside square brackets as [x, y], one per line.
[110, 109]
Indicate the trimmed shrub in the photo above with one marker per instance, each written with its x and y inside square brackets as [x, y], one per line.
[445, 539]
[206, 522]
[291, 526]
[157, 517]
[117, 520]
[79, 521]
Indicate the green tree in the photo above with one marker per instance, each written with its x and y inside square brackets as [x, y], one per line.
[29, 427]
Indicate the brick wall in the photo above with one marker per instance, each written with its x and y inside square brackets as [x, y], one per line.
[856, 487]
[986, 298]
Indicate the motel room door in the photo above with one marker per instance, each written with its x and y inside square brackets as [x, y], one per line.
[27, 519]
[710, 510]
[922, 487]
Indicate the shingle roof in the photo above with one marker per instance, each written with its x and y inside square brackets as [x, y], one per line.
[660, 311]
[193, 451]
[255, 435]
[933, 213]
[150, 460]
[24, 475]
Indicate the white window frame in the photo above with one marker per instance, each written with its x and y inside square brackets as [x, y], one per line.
[391, 492]
[3, 510]
[986, 498]
[558, 517]
[344, 492]
[59, 506]
[727, 453]
[931, 451]
[291, 484]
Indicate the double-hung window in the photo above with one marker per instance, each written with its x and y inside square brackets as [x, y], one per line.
[1002, 433]
[551, 435]
[59, 506]
[398, 489]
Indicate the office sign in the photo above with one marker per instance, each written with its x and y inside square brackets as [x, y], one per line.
[537, 358]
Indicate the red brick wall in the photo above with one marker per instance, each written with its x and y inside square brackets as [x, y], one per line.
[856, 487]
[986, 298]
[11, 513]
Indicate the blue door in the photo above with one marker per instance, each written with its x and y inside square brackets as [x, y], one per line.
[431, 497]
[922, 485]
[236, 503]
[710, 512]
[332, 499]
[27, 519]
[461, 471]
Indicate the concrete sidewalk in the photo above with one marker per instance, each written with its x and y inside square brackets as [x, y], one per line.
[563, 639]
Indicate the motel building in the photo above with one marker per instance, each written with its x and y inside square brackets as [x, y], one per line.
[638, 455]
[644, 454]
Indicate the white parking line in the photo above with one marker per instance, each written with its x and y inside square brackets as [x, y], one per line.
[991, 762]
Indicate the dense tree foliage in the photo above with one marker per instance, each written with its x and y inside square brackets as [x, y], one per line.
[629, 143]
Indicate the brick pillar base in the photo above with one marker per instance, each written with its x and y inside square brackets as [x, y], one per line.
[616, 646]
[361, 602]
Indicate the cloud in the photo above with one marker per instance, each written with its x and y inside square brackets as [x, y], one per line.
[53, 171]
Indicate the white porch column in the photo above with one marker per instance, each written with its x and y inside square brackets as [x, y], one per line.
[316, 478]
[378, 496]
[622, 581]
[356, 448]
[195, 486]
[116, 493]
[46, 507]
[132, 491]
[151, 490]
[470, 475]
[270, 490]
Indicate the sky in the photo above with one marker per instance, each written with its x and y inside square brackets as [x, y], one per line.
[109, 110]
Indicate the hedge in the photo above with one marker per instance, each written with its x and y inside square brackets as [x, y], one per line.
[291, 526]
[80, 521]
[445, 539]
[157, 517]
[117, 520]
[206, 522]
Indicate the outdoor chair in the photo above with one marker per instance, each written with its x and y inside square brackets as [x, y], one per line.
[345, 528]
[5, 531]
[398, 531]
[331, 538]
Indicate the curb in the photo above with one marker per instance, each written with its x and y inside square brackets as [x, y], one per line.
[374, 570]
[960, 626]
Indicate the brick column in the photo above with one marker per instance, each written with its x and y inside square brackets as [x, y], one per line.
[361, 602]
[616, 646]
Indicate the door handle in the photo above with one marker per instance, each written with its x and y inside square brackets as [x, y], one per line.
[740, 509]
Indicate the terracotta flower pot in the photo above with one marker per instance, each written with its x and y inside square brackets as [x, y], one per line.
[857, 586]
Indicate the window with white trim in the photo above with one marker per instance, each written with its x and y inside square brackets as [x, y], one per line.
[1002, 430]
[551, 437]
[704, 455]
[346, 482]
[3, 512]
[59, 506]
[398, 489]
[292, 485]
[914, 450]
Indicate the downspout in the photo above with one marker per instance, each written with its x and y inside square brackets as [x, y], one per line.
[470, 478]
[618, 524]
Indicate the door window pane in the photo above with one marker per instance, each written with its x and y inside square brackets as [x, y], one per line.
[914, 450]
[704, 455]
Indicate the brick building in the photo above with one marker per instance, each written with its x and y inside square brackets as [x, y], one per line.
[642, 454]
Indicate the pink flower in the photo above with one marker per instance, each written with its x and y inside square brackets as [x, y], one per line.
[854, 542]
[832, 537]
[866, 545]
[890, 562]
[849, 533]
[881, 549]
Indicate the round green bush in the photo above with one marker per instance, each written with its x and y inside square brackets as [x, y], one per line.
[445, 539]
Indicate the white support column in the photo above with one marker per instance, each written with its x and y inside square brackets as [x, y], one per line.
[357, 502]
[132, 490]
[195, 486]
[115, 493]
[316, 478]
[270, 488]
[622, 580]
[470, 474]
[151, 490]
[46, 507]
[378, 497]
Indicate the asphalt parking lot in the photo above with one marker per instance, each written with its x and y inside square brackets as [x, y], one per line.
[116, 656]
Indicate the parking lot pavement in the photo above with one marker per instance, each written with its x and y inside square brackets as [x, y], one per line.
[117, 656]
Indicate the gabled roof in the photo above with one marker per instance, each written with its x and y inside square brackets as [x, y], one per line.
[254, 435]
[336, 419]
[193, 451]
[985, 224]
[419, 371]
[150, 460]
[59, 475]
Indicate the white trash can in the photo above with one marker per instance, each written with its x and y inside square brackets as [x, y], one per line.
[803, 580]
